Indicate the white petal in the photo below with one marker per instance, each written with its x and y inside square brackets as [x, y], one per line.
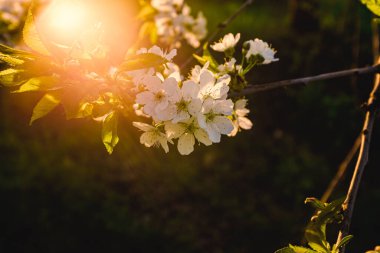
[242, 112]
[223, 107]
[143, 126]
[213, 134]
[166, 114]
[195, 106]
[206, 78]
[181, 117]
[235, 130]
[144, 97]
[171, 54]
[202, 121]
[190, 89]
[186, 144]
[153, 83]
[207, 105]
[148, 139]
[223, 124]
[245, 123]
[164, 144]
[174, 131]
[156, 50]
[219, 90]
[241, 104]
[202, 137]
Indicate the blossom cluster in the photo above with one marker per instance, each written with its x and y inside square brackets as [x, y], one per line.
[198, 108]
[174, 23]
[183, 110]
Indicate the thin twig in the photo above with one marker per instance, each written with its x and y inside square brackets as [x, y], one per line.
[220, 28]
[306, 80]
[349, 203]
[341, 170]
[372, 109]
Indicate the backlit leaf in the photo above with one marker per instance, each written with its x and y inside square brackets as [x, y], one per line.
[109, 131]
[142, 61]
[373, 5]
[47, 103]
[10, 59]
[42, 83]
[9, 77]
[30, 34]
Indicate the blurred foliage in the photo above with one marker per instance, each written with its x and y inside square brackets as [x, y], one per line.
[61, 192]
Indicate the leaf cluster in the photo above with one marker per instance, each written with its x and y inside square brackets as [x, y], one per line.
[86, 85]
[315, 234]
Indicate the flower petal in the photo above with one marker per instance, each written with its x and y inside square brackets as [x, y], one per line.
[174, 131]
[223, 124]
[202, 137]
[186, 144]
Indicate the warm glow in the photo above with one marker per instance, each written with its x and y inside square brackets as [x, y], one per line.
[64, 20]
[68, 15]
[67, 22]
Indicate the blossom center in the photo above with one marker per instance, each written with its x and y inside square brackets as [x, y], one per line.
[159, 96]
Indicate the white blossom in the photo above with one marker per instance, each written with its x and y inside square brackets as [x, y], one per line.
[228, 67]
[175, 23]
[228, 42]
[259, 47]
[185, 102]
[158, 51]
[210, 87]
[157, 96]
[152, 136]
[187, 132]
[213, 120]
[239, 117]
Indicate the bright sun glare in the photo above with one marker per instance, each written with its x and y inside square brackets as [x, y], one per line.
[67, 15]
[64, 20]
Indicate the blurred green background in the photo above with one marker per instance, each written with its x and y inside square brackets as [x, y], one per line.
[61, 192]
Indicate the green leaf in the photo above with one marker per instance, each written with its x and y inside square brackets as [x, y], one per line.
[344, 241]
[317, 204]
[142, 61]
[319, 247]
[148, 29]
[42, 83]
[316, 230]
[146, 12]
[9, 77]
[10, 59]
[15, 52]
[207, 57]
[109, 131]
[298, 249]
[373, 5]
[285, 250]
[30, 34]
[47, 103]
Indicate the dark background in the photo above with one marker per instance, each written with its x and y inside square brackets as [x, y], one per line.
[61, 192]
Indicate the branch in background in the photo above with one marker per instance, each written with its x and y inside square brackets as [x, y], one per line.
[220, 28]
[372, 109]
[306, 80]
[341, 170]
[349, 203]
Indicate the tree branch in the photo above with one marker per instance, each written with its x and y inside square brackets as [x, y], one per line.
[373, 106]
[349, 203]
[306, 80]
[220, 28]
[341, 170]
